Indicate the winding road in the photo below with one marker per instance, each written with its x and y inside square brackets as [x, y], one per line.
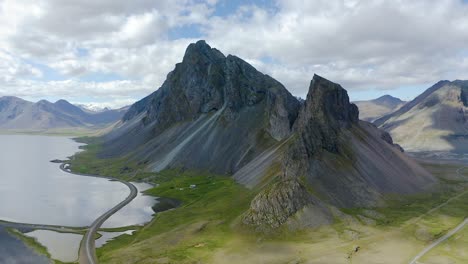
[450, 233]
[87, 254]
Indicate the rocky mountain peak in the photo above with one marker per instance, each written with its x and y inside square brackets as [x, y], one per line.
[201, 52]
[328, 102]
[206, 81]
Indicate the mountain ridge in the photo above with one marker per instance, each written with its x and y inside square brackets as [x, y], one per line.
[371, 110]
[218, 114]
[249, 110]
[22, 115]
[433, 121]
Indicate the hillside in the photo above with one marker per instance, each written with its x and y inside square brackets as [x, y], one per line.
[249, 163]
[433, 121]
[373, 109]
[220, 115]
[20, 115]
[213, 112]
[333, 160]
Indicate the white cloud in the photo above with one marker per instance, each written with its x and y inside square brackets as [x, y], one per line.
[360, 44]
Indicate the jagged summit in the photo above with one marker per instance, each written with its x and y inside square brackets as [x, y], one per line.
[329, 102]
[219, 114]
[201, 49]
[346, 162]
[208, 96]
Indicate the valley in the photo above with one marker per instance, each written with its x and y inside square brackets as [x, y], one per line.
[208, 228]
[232, 132]
[222, 164]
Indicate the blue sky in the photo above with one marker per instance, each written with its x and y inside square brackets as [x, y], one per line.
[113, 52]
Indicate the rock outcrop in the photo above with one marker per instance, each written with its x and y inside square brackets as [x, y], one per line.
[219, 114]
[335, 160]
[213, 112]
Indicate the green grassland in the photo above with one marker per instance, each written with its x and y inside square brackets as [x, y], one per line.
[206, 227]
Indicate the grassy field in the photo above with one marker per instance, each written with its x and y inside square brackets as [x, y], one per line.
[202, 222]
[206, 227]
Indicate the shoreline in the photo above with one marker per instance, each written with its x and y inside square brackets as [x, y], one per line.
[87, 253]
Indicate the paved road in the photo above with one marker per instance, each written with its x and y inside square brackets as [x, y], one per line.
[449, 234]
[438, 241]
[67, 229]
[87, 254]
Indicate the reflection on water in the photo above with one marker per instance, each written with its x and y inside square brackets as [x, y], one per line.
[13, 251]
[34, 190]
[107, 236]
[138, 212]
[61, 246]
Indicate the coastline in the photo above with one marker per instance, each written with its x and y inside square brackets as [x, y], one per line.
[87, 253]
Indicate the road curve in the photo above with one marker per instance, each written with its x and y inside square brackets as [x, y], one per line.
[449, 234]
[87, 254]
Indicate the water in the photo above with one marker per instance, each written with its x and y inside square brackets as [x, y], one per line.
[108, 236]
[34, 190]
[61, 246]
[13, 251]
[139, 211]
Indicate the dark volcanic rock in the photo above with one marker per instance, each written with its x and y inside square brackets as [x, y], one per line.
[325, 112]
[204, 81]
[219, 114]
[274, 206]
[334, 156]
[207, 96]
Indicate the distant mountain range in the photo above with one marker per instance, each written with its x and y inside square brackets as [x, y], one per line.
[217, 113]
[436, 120]
[19, 114]
[373, 109]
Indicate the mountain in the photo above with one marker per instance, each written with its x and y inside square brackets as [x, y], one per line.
[218, 114]
[436, 120]
[213, 112]
[19, 114]
[376, 108]
[333, 160]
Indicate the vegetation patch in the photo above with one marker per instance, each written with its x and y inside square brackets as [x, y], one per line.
[32, 243]
[205, 220]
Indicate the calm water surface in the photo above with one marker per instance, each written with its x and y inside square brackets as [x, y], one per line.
[61, 246]
[108, 236]
[13, 251]
[34, 190]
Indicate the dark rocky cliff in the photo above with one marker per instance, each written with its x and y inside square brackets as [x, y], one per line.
[216, 108]
[334, 160]
[219, 114]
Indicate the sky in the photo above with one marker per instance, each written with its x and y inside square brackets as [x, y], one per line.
[114, 52]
